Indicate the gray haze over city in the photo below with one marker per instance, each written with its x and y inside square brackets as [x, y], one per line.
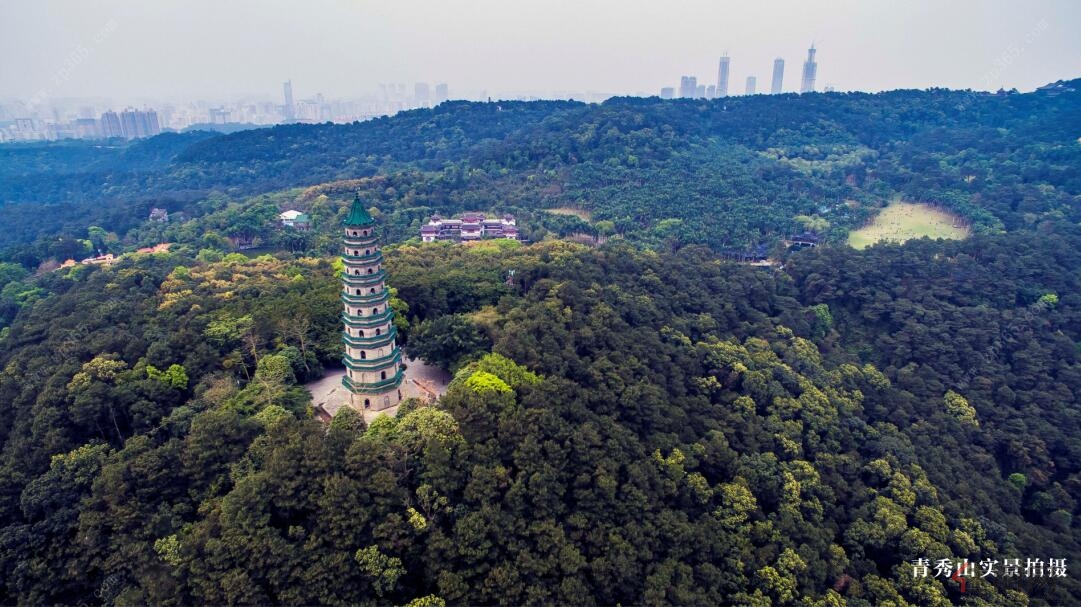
[195, 54]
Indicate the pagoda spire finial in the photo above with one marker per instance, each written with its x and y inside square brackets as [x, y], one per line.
[358, 215]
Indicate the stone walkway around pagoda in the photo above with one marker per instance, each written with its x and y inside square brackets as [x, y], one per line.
[329, 394]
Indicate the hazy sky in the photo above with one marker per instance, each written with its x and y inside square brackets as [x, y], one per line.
[221, 49]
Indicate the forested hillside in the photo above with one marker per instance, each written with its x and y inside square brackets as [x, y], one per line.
[634, 422]
[624, 427]
[727, 173]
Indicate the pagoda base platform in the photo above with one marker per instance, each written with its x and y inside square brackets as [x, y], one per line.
[420, 380]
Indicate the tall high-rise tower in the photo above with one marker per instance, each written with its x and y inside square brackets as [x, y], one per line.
[810, 68]
[110, 125]
[421, 94]
[688, 87]
[722, 77]
[288, 110]
[373, 361]
[751, 81]
[778, 76]
[442, 93]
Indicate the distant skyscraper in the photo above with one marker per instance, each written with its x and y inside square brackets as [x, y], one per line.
[810, 68]
[778, 76]
[668, 92]
[711, 91]
[688, 86]
[442, 93]
[87, 128]
[722, 77]
[700, 91]
[153, 127]
[219, 115]
[130, 124]
[751, 81]
[421, 94]
[127, 124]
[289, 110]
[110, 125]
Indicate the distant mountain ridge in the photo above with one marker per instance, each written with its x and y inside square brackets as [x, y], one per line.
[923, 144]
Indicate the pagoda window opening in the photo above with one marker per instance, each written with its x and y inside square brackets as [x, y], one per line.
[375, 311]
[361, 332]
[378, 331]
[356, 252]
[358, 291]
[354, 233]
[367, 251]
[367, 403]
[369, 270]
[356, 271]
[382, 375]
[363, 355]
[372, 291]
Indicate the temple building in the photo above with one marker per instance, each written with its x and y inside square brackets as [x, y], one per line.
[373, 361]
[470, 226]
[804, 240]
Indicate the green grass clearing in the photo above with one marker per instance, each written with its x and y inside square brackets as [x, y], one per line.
[901, 221]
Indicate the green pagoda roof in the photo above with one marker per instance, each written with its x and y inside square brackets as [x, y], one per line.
[358, 215]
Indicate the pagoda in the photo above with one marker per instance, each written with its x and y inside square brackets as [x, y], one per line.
[373, 361]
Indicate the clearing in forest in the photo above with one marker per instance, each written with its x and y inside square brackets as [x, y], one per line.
[901, 221]
[585, 216]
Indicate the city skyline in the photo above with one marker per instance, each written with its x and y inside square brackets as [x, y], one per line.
[687, 88]
[45, 118]
[509, 50]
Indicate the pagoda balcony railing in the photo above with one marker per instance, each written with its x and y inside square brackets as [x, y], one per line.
[374, 341]
[361, 387]
[369, 364]
[364, 279]
[366, 299]
[368, 321]
[369, 240]
[369, 258]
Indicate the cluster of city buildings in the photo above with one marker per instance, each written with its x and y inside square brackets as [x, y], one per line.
[470, 226]
[90, 118]
[689, 88]
[85, 119]
[128, 124]
[390, 99]
[75, 119]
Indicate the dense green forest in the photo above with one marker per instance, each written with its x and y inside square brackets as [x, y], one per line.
[624, 427]
[639, 422]
[728, 173]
